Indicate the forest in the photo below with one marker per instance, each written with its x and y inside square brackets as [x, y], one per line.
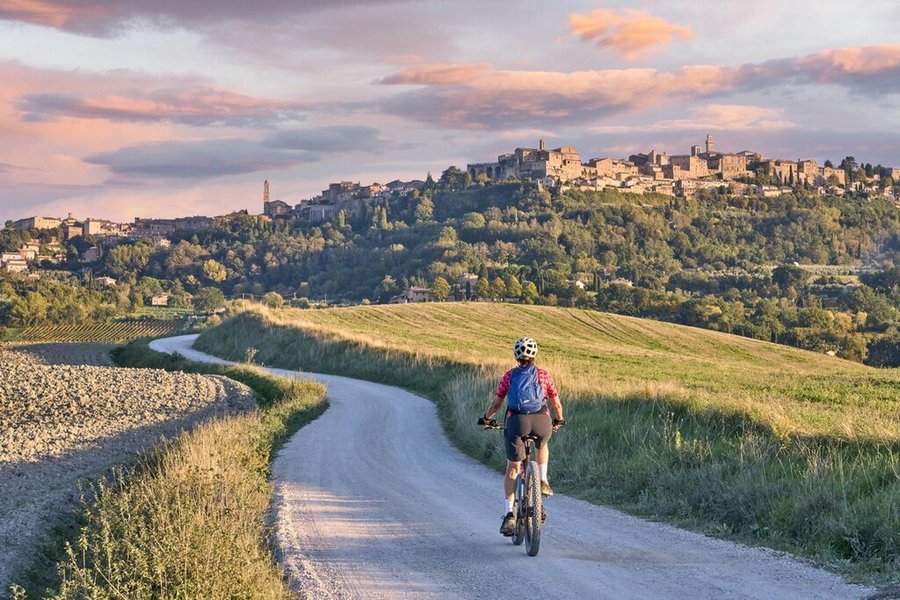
[816, 272]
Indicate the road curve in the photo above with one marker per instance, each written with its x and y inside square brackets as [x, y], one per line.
[372, 501]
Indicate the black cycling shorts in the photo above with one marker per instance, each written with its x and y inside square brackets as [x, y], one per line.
[517, 425]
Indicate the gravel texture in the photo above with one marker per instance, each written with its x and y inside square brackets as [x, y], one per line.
[63, 419]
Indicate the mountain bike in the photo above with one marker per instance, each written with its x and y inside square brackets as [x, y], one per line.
[529, 503]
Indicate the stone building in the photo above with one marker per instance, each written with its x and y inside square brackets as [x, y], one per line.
[37, 223]
[730, 166]
[277, 208]
[687, 167]
[562, 163]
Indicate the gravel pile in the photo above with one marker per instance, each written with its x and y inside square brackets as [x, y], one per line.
[62, 422]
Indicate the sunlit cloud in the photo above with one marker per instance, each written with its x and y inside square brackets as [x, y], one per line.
[196, 105]
[629, 33]
[475, 95]
[713, 117]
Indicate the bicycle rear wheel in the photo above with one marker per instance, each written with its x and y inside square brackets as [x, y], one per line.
[534, 510]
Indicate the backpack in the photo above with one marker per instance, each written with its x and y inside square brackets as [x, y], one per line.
[526, 394]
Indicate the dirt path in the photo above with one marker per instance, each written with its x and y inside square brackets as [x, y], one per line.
[372, 501]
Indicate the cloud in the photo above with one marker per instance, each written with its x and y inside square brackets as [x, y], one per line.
[109, 17]
[334, 138]
[196, 105]
[629, 33]
[714, 117]
[201, 159]
[477, 96]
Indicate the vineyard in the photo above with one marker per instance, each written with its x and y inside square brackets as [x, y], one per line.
[110, 332]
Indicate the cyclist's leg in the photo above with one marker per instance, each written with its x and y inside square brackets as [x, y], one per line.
[542, 426]
[515, 452]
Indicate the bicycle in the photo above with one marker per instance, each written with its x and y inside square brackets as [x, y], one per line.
[529, 503]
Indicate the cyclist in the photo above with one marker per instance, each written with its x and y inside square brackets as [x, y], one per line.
[526, 389]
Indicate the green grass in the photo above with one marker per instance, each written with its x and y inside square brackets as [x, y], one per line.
[10, 334]
[747, 440]
[189, 520]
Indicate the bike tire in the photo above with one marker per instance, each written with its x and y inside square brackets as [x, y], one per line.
[519, 511]
[534, 510]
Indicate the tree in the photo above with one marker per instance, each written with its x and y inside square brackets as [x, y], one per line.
[440, 289]
[788, 277]
[498, 289]
[273, 300]
[386, 289]
[850, 166]
[424, 210]
[513, 287]
[209, 299]
[454, 179]
[214, 271]
[482, 288]
[885, 352]
[529, 292]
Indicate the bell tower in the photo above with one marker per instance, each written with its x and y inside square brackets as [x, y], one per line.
[266, 191]
[709, 143]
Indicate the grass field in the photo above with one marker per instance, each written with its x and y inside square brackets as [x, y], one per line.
[736, 437]
[106, 332]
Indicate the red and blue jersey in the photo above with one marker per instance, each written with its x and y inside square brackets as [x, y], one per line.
[544, 379]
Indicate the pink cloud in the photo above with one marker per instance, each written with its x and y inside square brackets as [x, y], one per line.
[831, 66]
[475, 95]
[54, 14]
[714, 117]
[629, 33]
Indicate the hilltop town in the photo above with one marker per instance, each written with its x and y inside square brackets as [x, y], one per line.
[703, 170]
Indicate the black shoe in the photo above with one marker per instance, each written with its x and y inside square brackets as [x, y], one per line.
[546, 490]
[508, 527]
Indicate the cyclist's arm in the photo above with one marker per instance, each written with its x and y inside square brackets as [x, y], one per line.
[553, 396]
[494, 407]
[557, 406]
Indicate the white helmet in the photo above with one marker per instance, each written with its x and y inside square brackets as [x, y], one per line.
[525, 348]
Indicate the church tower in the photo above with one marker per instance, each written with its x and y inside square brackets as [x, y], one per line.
[266, 191]
[709, 143]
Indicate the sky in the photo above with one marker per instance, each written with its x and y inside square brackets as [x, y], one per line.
[158, 108]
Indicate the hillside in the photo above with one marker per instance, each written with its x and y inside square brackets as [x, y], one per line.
[601, 354]
[734, 437]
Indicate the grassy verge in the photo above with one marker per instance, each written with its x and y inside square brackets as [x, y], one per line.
[10, 334]
[189, 519]
[783, 457]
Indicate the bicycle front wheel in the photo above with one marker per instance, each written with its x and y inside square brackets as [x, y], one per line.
[534, 510]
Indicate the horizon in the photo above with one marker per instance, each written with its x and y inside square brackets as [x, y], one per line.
[113, 109]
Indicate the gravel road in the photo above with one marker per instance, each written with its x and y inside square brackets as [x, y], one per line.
[372, 501]
[61, 422]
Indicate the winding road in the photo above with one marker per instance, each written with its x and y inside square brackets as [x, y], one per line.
[372, 501]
